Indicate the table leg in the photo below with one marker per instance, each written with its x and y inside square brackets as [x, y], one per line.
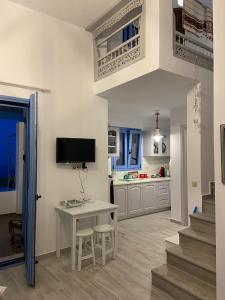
[58, 234]
[115, 223]
[73, 248]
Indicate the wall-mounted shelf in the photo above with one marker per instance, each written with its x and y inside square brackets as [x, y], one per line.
[151, 148]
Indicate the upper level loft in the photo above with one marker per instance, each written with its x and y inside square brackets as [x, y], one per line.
[119, 39]
[193, 32]
[141, 36]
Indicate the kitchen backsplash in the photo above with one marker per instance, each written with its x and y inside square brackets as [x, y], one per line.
[150, 165]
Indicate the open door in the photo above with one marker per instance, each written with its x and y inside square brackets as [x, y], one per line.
[29, 182]
[31, 190]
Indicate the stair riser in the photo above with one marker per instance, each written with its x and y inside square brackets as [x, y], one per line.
[208, 208]
[203, 226]
[171, 289]
[191, 268]
[196, 245]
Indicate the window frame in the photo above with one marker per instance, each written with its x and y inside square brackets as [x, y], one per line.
[128, 132]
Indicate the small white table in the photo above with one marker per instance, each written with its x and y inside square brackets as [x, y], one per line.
[89, 209]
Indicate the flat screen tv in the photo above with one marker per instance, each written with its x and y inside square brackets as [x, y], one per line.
[70, 150]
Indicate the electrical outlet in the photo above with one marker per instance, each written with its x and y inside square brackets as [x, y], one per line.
[194, 184]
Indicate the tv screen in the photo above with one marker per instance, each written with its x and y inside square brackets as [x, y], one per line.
[70, 150]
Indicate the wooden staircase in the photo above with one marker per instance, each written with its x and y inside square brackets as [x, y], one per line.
[190, 272]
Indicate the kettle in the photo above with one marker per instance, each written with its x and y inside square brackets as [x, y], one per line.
[162, 172]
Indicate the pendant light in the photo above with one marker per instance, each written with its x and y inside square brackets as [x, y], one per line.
[181, 3]
[157, 134]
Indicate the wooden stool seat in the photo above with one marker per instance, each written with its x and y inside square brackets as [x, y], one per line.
[105, 230]
[85, 232]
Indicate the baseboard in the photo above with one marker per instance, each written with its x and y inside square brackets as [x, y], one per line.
[144, 213]
[175, 221]
[53, 253]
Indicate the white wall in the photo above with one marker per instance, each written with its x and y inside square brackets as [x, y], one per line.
[7, 202]
[42, 51]
[178, 119]
[219, 118]
[205, 172]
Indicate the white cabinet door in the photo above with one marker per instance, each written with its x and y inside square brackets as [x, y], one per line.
[149, 196]
[163, 194]
[134, 199]
[113, 141]
[120, 198]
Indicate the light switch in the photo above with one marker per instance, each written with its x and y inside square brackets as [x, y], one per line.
[194, 184]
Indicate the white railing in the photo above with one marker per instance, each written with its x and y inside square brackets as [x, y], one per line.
[126, 53]
[193, 46]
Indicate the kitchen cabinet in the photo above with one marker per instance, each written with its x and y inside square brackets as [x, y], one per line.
[152, 148]
[141, 198]
[120, 199]
[134, 199]
[149, 201]
[113, 142]
[163, 194]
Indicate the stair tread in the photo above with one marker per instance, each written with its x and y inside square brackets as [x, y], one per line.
[186, 282]
[200, 236]
[209, 201]
[207, 262]
[160, 295]
[204, 217]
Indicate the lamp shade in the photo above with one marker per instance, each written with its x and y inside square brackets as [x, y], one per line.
[157, 136]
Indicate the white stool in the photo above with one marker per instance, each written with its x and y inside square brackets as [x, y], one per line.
[81, 235]
[105, 230]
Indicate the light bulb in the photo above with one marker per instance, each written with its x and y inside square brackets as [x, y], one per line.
[158, 136]
[181, 2]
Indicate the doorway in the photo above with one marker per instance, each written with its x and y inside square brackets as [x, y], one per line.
[11, 242]
[18, 183]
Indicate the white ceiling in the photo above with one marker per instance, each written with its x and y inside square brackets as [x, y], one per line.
[159, 90]
[78, 12]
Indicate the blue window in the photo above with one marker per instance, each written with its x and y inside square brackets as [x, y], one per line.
[128, 32]
[130, 150]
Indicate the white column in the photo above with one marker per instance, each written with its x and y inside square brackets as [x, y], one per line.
[193, 156]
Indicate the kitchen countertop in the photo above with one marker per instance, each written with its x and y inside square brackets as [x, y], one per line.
[139, 180]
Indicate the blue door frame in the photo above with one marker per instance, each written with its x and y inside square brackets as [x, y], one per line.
[30, 183]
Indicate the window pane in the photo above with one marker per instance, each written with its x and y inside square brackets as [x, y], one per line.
[121, 159]
[134, 149]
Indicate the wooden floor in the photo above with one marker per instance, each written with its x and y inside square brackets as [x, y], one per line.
[141, 248]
